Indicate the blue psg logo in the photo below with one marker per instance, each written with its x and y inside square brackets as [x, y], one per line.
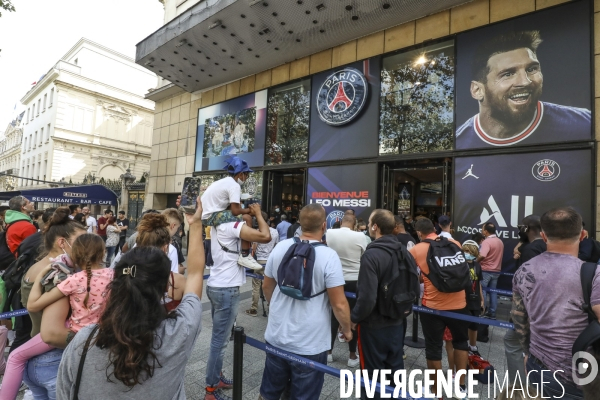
[342, 96]
[334, 217]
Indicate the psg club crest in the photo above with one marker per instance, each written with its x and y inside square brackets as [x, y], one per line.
[334, 217]
[545, 170]
[342, 96]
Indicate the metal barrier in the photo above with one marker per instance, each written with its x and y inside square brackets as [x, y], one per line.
[240, 338]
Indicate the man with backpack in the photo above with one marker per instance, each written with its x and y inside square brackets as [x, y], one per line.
[548, 304]
[445, 275]
[303, 283]
[387, 287]
[19, 226]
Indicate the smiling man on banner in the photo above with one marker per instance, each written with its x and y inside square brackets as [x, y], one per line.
[507, 82]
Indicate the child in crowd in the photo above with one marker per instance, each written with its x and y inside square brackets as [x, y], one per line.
[87, 291]
[221, 204]
[474, 302]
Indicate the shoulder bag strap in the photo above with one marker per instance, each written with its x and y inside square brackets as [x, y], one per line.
[82, 362]
[588, 270]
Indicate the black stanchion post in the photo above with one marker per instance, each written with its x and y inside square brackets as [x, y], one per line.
[238, 361]
[414, 340]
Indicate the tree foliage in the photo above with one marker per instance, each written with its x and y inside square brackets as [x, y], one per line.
[6, 5]
[288, 115]
[417, 106]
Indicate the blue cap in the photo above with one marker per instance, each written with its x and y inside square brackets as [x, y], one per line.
[235, 165]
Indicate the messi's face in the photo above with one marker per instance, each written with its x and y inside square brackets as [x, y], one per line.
[514, 86]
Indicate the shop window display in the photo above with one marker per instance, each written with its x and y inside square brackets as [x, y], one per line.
[288, 115]
[417, 100]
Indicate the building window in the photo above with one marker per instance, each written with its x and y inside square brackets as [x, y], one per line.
[41, 136]
[25, 148]
[33, 113]
[39, 106]
[417, 100]
[48, 133]
[288, 115]
[27, 119]
[51, 97]
[45, 98]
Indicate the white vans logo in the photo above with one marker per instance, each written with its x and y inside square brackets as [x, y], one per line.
[449, 261]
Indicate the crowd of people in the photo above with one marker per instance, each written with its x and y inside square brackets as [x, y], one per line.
[123, 314]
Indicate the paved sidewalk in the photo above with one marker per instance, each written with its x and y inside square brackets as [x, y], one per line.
[254, 359]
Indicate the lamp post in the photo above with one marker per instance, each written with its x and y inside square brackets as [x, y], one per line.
[126, 180]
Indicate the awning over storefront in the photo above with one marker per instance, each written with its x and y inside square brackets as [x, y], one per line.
[218, 41]
[87, 194]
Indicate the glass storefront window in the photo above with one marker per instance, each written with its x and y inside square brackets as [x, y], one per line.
[417, 101]
[288, 114]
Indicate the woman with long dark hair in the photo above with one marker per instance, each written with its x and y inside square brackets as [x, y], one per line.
[141, 347]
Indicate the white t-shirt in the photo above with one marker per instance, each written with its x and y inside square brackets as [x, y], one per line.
[447, 235]
[302, 326]
[172, 254]
[350, 246]
[219, 196]
[226, 272]
[91, 222]
[264, 249]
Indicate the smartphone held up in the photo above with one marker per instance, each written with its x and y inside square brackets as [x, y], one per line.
[189, 194]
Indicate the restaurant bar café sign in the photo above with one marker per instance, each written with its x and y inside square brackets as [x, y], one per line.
[342, 96]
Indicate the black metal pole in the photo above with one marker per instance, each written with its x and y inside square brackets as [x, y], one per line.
[238, 361]
[415, 341]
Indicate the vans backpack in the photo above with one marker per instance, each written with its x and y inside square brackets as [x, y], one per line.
[295, 273]
[6, 256]
[399, 290]
[448, 268]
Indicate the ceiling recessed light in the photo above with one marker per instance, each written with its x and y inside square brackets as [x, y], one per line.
[210, 75]
[299, 2]
[193, 65]
[243, 16]
[175, 52]
[223, 50]
[162, 59]
[298, 40]
[232, 57]
[322, 31]
[208, 58]
[355, 18]
[205, 36]
[172, 65]
[197, 80]
[241, 42]
[386, 6]
[224, 69]
[290, 32]
[184, 85]
[215, 43]
[189, 76]
[320, 7]
[274, 14]
[223, 26]
[233, 34]
[348, 8]
[189, 44]
[249, 49]
[201, 70]
[185, 58]
[176, 81]
[257, 56]
[180, 70]
[265, 4]
[214, 24]
[276, 48]
[216, 63]
[168, 76]
[240, 63]
[198, 51]
[315, 21]
[268, 40]
[160, 70]
[282, 23]
[307, 12]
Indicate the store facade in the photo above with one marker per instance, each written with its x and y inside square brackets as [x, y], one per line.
[487, 124]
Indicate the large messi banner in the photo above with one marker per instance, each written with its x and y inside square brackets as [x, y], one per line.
[503, 189]
[342, 187]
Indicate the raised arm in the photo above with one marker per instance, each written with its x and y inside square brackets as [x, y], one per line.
[262, 235]
[196, 263]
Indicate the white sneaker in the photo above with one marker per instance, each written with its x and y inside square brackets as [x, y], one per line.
[341, 337]
[28, 395]
[329, 358]
[461, 394]
[354, 363]
[249, 262]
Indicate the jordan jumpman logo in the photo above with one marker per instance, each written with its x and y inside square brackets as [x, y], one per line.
[470, 173]
[340, 97]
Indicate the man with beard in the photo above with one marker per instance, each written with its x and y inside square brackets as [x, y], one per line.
[508, 83]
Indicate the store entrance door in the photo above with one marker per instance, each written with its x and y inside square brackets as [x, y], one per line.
[286, 190]
[416, 191]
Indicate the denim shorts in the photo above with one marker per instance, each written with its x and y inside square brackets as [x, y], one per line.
[221, 217]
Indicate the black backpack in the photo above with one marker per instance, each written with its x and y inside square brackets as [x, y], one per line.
[590, 336]
[448, 267]
[6, 256]
[399, 290]
[295, 273]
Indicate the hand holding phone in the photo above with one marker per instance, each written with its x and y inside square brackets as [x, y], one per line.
[190, 193]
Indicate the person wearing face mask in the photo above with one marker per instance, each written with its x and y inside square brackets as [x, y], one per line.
[59, 234]
[221, 205]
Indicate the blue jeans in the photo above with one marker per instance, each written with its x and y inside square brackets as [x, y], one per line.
[550, 386]
[302, 381]
[40, 374]
[110, 253]
[491, 281]
[225, 303]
